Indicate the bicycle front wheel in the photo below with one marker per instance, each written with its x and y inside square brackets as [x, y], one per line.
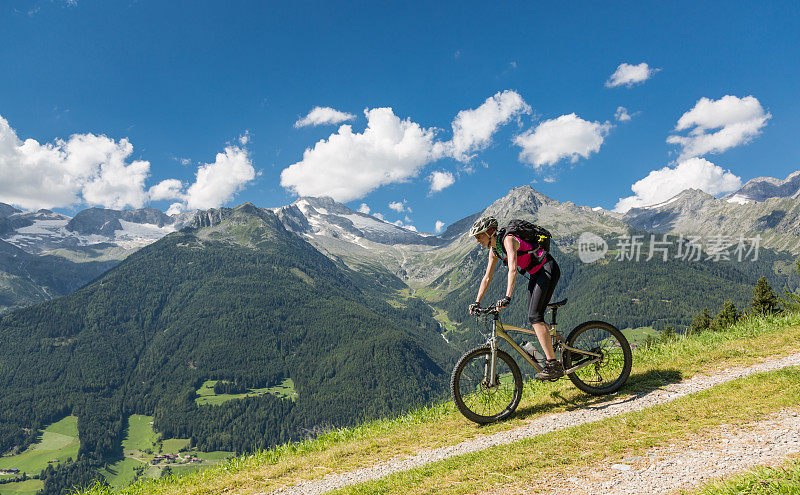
[609, 373]
[470, 386]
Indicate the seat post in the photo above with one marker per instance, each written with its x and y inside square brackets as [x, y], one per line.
[554, 310]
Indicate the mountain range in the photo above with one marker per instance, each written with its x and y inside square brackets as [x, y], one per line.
[365, 317]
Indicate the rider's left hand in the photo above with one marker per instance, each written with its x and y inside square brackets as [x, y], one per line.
[502, 303]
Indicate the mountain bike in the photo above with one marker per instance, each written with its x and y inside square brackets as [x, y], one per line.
[486, 383]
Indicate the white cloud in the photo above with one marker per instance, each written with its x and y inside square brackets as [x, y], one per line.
[439, 226]
[92, 169]
[738, 121]
[399, 206]
[175, 208]
[363, 209]
[568, 136]
[440, 180]
[84, 169]
[378, 216]
[661, 185]
[166, 189]
[244, 138]
[324, 116]
[215, 183]
[349, 165]
[473, 129]
[622, 114]
[628, 75]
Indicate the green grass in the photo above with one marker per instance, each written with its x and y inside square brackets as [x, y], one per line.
[140, 435]
[122, 472]
[439, 425]
[206, 395]
[760, 480]
[576, 450]
[174, 445]
[59, 442]
[639, 334]
[28, 487]
[141, 438]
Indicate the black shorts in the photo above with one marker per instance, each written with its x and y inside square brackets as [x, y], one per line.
[540, 289]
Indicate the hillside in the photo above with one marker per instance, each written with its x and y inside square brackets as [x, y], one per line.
[236, 298]
[684, 395]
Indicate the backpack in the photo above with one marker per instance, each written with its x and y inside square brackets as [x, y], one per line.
[538, 237]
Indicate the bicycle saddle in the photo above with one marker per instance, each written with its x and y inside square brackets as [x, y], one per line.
[557, 304]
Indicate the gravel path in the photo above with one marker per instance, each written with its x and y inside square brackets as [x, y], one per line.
[728, 450]
[540, 426]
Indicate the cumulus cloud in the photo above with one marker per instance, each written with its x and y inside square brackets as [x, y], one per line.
[399, 206]
[567, 137]
[736, 120]
[349, 165]
[364, 209]
[166, 189]
[439, 226]
[95, 170]
[86, 168]
[324, 116]
[215, 183]
[628, 75]
[440, 180]
[661, 185]
[622, 114]
[473, 129]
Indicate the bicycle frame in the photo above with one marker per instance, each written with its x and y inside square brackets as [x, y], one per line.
[500, 330]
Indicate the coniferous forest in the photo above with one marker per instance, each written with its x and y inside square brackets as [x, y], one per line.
[144, 337]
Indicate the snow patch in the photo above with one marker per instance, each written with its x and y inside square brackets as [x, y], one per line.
[739, 199]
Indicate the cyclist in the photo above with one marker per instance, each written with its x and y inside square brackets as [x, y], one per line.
[544, 274]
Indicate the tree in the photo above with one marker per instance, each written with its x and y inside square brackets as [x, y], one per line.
[727, 316]
[668, 334]
[764, 300]
[791, 300]
[701, 323]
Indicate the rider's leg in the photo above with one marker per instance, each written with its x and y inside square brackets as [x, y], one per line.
[543, 333]
[540, 290]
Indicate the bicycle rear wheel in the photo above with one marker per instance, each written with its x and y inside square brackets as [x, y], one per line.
[609, 373]
[469, 385]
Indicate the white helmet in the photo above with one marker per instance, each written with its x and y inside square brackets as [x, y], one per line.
[482, 225]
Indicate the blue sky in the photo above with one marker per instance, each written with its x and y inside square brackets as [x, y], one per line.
[121, 96]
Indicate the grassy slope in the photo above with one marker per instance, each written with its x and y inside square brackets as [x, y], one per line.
[140, 438]
[59, 441]
[761, 480]
[206, 395]
[441, 425]
[590, 447]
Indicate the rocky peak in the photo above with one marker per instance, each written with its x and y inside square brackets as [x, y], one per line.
[762, 188]
[7, 210]
[102, 221]
[519, 199]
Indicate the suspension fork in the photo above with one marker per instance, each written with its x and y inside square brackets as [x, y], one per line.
[492, 381]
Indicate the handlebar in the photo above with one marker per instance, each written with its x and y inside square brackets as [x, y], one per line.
[491, 310]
